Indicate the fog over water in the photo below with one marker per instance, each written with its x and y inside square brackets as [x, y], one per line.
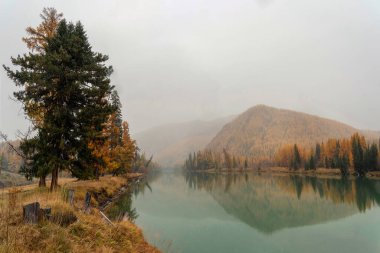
[179, 60]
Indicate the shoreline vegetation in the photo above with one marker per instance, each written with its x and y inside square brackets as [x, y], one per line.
[69, 229]
[319, 172]
[347, 157]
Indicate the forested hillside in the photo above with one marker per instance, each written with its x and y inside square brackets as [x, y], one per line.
[261, 131]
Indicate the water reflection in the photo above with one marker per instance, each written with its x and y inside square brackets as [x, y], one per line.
[270, 203]
[122, 209]
[266, 202]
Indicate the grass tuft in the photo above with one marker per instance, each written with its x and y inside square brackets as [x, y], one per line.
[69, 229]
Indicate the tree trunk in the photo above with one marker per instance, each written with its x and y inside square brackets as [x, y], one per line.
[97, 173]
[42, 182]
[54, 179]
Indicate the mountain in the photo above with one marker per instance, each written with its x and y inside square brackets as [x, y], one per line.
[171, 144]
[261, 130]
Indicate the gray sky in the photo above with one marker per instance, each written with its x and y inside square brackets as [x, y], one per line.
[178, 60]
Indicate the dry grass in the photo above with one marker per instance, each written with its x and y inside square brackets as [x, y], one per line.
[69, 229]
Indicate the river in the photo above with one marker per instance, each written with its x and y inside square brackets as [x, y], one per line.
[255, 213]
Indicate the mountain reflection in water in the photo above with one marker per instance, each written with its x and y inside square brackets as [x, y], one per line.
[270, 203]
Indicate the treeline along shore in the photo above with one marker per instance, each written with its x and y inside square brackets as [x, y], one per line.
[354, 156]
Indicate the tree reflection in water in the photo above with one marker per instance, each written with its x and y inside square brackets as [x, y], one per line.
[122, 208]
[272, 202]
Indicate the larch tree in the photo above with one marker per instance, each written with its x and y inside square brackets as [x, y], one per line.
[126, 152]
[118, 151]
[37, 37]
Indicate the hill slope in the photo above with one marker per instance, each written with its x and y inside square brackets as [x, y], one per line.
[9, 160]
[261, 130]
[171, 144]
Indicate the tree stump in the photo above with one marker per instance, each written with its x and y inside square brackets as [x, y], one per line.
[87, 202]
[70, 196]
[31, 213]
[44, 214]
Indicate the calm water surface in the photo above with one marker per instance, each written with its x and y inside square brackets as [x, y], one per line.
[255, 213]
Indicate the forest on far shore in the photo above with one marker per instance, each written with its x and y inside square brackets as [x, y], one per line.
[355, 153]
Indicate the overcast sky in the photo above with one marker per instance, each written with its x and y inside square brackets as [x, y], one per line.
[178, 60]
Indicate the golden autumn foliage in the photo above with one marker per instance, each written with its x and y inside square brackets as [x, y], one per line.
[117, 150]
[262, 130]
[334, 153]
[37, 41]
[38, 36]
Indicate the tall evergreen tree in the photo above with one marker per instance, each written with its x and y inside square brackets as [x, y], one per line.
[336, 161]
[312, 164]
[71, 84]
[117, 119]
[358, 154]
[296, 162]
[345, 164]
[372, 157]
[317, 153]
[36, 41]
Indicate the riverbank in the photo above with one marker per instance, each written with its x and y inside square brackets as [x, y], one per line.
[319, 172]
[69, 229]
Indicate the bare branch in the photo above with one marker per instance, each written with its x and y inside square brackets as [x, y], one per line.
[5, 139]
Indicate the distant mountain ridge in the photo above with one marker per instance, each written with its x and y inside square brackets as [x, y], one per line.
[170, 144]
[258, 132]
[262, 130]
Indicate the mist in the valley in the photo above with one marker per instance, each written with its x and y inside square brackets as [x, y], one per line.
[178, 60]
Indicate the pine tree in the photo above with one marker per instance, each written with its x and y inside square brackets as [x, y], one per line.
[37, 40]
[296, 162]
[358, 154]
[317, 152]
[312, 164]
[345, 164]
[71, 85]
[336, 161]
[372, 157]
[117, 119]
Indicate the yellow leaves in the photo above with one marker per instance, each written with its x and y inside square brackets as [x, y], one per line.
[284, 155]
[38, 36]
[330, 150]
[116, 154]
